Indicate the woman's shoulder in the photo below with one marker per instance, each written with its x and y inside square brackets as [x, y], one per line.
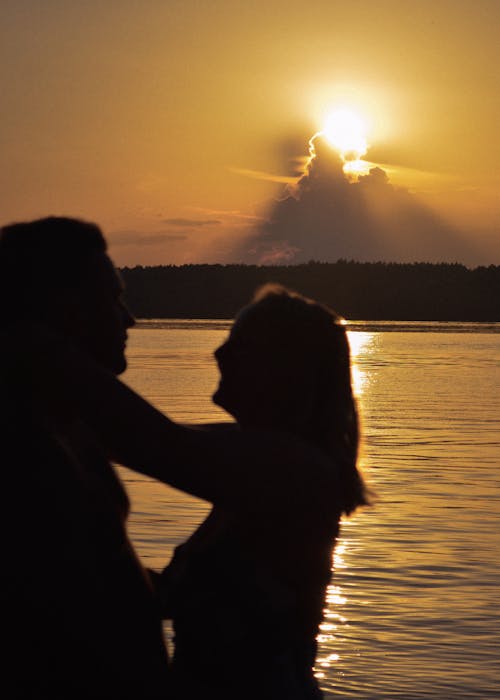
[293, 472]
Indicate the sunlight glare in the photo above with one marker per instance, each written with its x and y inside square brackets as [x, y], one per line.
[358, 167]
[358, 341]
[338, 559]
[346, 131]
[334, 596]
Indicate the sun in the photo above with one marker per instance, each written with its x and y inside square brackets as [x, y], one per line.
[346, 131]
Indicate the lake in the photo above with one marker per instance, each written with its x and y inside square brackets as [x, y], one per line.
[413, 609]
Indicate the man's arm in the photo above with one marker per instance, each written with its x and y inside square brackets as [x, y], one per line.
[226, 467]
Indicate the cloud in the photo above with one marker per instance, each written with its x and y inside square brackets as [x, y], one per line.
[233, 217]
[261, 175]
[191, 223]
[279, 253]
[134, 238]
[325, 215]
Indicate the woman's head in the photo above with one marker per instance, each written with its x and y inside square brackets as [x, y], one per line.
[286, 366]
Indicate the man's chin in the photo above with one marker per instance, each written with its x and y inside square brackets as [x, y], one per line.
[221, 399]
[216, 397]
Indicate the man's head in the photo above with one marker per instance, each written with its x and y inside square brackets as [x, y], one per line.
[56, 271]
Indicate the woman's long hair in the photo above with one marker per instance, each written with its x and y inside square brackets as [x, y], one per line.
[313, 372]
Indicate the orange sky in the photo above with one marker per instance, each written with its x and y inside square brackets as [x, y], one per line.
[175, 124]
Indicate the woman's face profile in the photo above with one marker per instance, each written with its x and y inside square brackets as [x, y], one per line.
[243, 362]
[263, 371]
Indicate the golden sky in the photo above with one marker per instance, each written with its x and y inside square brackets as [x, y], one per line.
[177, 124]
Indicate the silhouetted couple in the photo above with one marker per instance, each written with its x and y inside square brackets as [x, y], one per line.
[246, 591]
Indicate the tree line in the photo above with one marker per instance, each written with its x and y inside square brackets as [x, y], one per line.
[358, 291]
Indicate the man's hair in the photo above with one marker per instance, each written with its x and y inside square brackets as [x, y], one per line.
[44, 259]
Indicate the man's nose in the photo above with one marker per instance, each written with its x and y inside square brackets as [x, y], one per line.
[128, 319]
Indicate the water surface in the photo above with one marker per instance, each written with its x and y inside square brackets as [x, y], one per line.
[413, 610]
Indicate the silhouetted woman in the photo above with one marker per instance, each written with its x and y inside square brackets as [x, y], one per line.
[253, 577]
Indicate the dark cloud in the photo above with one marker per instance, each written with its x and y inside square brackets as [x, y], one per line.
[191, 223]
[134, 238]
[325, 216]
[289, 151]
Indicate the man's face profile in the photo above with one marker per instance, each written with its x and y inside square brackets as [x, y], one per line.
[95, 316]
[55, 271]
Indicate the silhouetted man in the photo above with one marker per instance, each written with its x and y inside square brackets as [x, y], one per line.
[83, 617]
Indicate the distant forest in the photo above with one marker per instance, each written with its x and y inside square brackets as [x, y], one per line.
[359, 291]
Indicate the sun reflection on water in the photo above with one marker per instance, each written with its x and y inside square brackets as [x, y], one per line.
[334, 595]
[338, 560]
[326, 661]
[332, 629]
[359, 342]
